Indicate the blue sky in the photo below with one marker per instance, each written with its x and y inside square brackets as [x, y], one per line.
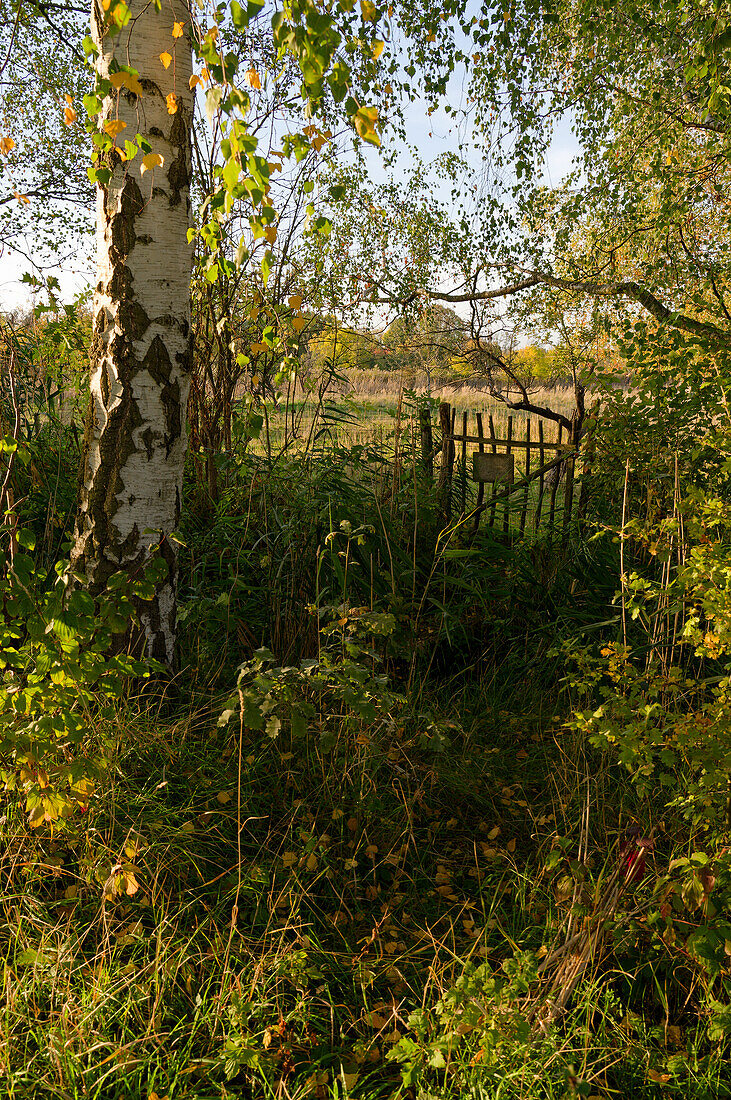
[428, 136]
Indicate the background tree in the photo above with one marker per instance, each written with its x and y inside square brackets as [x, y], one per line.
[46, 198]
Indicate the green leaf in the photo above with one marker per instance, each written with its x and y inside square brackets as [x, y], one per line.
[92, 104]
[26, 539]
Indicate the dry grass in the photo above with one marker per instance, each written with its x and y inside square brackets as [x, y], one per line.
[371, 405]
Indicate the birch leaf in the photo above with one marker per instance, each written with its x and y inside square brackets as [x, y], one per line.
[114, 126]
[166, 59]
[152, 160]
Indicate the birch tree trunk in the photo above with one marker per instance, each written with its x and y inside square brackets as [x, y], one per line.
[141, 345]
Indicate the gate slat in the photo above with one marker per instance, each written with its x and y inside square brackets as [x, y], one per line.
[481, 485]
[508, 450]
[524, 512]
[541, 484]
[554, 486]
[464, 463]
[494, 451]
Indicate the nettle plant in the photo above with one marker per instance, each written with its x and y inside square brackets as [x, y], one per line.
[61, 680]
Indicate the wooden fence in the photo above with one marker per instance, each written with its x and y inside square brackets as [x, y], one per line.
[539, 451]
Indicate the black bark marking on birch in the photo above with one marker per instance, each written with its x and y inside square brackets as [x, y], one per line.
[104, 385]
[179, 170]
[148, 440]
[157, 364]
[123, 235]
[184, 359]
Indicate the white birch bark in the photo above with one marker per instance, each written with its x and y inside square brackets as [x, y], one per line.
[141, 346]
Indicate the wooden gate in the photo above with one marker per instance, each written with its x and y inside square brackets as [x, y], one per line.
[530, 472]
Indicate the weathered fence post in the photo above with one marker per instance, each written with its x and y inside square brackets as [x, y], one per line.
[427, 441]
[555, 478]
[589, 454]
[570, 467]
[447, 467]
[481, 486]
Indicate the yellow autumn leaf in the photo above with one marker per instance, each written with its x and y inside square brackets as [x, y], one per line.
[172, 103]
[251, 77]
[223, 797]
[289, 859]
[166, 59]
[6, 145]
[70, 892]
[193, 81]
[152, 160]
[295, 301]
[205, 75]
[495, 831]
[131, 885]
[378, 48]
[312, 862]
[365, 120]
[69, 115]
[368, 11]
[298, 323]
[178, 29]
[114, 126]
[69, 100]
[511, 845]
[271, 234]
[123, 79]
[21, 198]
[36, 816]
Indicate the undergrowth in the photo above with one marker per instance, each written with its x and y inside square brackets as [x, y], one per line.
[405, 829]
